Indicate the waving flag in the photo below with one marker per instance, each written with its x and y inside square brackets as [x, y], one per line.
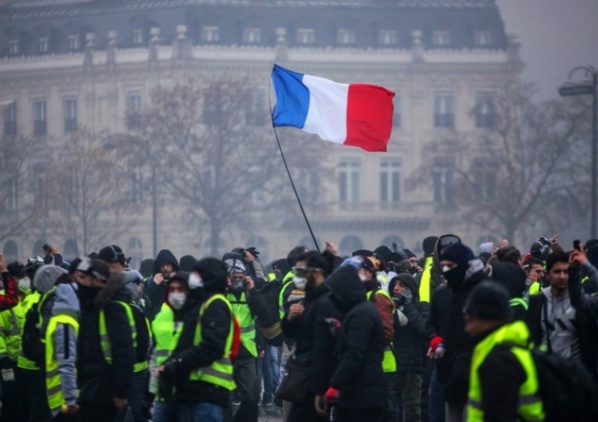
[351, 114]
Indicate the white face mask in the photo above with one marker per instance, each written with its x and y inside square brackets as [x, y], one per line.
[195, 281]
[25, 285]
[446, 268]
[300, 282]
[177, 300]
[362, 277]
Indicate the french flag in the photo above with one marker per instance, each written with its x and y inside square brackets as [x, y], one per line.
[351, 114]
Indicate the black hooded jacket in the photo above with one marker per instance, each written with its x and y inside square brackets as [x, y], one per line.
[155, 292]
[98, 381]
[410, 341]
[360, 347]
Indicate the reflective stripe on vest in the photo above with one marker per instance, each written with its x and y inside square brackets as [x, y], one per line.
[167, 334]
[518, 301]
[286, 281]
[425, 280]
[241, 311]
[530, 406]
[31, 300]
[105, 339]
[53, 380]
[219, 372]
[389, 360]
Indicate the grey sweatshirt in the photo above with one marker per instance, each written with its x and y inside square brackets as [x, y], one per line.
[559, 324]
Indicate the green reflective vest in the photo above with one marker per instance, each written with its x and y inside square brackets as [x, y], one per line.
[53, 381]
[286, 281]
[426, 280]
[220, 372]
[534, 289]
[166, 333]
[31, 300]
[241, 311]
[530, 406]
[105, 340]
[11, 328]
[389, 361]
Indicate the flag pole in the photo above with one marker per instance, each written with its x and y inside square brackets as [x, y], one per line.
[284, 160]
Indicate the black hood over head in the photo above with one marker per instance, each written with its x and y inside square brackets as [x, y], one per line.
[213, 274]
[346, 287]
[165, 256]
[408, 281]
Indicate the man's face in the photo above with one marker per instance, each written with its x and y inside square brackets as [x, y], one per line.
[166, 269]
[413, 261]
[536, 272]
[448, 264]
[177, 287]
[398, 288]
[367, 274]
[558, 276]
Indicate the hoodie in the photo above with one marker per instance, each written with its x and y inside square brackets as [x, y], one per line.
[155, 292]
[360, 344]
[64, 341]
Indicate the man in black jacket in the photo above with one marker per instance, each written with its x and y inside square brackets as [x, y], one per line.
[358, 387]
[105, 352]
[165, 266]
[305, 322]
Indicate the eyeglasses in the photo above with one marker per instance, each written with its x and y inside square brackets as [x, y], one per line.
[302, 271]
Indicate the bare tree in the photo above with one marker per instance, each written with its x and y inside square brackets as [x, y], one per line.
[18, 185]
[217, 155]
[517, 172]
[88, 197]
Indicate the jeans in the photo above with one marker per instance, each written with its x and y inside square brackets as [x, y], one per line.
[270, 373]
[164, 412]
[139, 383]
[198, 412]
[436, 399]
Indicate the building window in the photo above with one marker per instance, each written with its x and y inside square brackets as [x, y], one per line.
[39, 184]
[254, 113]
[133, 113]
[252, 35]
[42, 45]
[484, 110]
[306, 36]
[70, 115]
[73, 42]
[13, 47]
[387, 37]
[40, 124]
[484, 176]
[350, 244]
[390, 181]
[13, 198]
[345, 36]
[11, 251]
[444, 114]
[441, 38]
[137, 185]
[349, 177]
[397, 112]
[210, 34]
[137, 37]
[443, 181]
[482, 38]
[10, 119]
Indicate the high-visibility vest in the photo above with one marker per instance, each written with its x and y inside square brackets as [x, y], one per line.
[31, 300]
[53, 380]
[11, 328]
[518, 301]
[167, 334]
[105, 340]
[286, 281]
[426, 280]
[219, 372]
[241, 310]
[530, 406]
[534, 289]
[389, 360]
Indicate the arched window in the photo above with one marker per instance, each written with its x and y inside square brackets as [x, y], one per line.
[71, 250]
[135, 251]
[11, 251]
[349, 244]
[37, 248]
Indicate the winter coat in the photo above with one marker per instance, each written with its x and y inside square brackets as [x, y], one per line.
[410, 341]
[155, 292]
[446, 320]
[315, 342]
[98, 381]
[360, 347]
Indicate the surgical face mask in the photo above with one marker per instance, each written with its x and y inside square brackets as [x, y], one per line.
[177, 300]
[195, 281]
[25, 285]
[362, 277]
[446, 268]
[300, 282]
[237, 284]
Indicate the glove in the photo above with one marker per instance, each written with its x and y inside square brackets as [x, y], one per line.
[332, 395]
[253, 251]
[435, 342]
[406, 296]
[440, 351]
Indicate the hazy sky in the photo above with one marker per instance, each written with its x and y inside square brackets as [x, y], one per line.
[555, 35]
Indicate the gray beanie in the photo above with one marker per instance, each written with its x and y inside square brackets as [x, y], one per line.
[46, 276]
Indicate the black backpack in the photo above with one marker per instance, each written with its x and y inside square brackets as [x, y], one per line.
[271, 330]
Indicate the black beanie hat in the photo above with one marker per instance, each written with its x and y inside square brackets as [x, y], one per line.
[457, 253]
[383, 252]
[488, 301]
[187, 262]
[16, 269]
[429, 244]
[111, 253]
[592, 255]
[590, 243]
[409, 253]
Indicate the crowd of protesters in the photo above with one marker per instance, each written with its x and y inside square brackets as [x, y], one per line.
[381, 335]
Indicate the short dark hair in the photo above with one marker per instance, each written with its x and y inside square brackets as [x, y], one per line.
[555, 257]
[315, 259]
[294, 253]
[509, 254]
[531, 260]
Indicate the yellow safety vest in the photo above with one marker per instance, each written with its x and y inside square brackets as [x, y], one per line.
[241, 311]
[166, 333]
[389, 360]
[286, 281]
[105, 340]
[220, 372]
[53, 381]
[425, 280]
[31, 300]
[534, 289]
[530, 406]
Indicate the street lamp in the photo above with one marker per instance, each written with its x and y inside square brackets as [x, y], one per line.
[587, 87]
